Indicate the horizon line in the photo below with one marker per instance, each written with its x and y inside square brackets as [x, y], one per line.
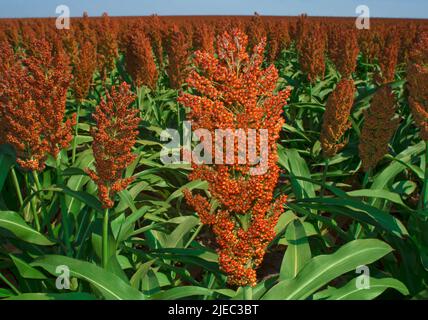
[215, 15]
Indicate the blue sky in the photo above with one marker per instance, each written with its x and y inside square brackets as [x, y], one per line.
[378, 8]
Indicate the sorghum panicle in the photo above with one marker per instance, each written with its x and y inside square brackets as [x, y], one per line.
[50, 77]
[139, 60]
[379, 126]
[70, 45]
[204, 38]
[34, 91]
[417, 75]
[107, 45]
[277, 40]
[311, 52]
[178, 50]
[84, 68]
[388, 57]
[236, 93]
[343, 50]
[256, 30]
[369, 44]
[154, 31]
[114, 136]
[336, 117]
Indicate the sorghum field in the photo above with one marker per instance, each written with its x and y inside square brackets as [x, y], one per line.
[336, 208]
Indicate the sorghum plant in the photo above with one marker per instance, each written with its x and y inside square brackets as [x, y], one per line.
[379, 121]
[139, 60]
[84, 68]
[114, 136]
[417, 73]
[204, 38]
[277, 39]
[178, 50]
[388, 57]
[311, 52]
[34, 91]
[234, 92]
[369, 44]
[107, 46]
[15, 97]
[343, 50]
[336, 117]
[379, 126]
[256, 30]
[154, 31]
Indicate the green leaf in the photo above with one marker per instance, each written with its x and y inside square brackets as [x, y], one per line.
[5, 293]
[197, 184]
[385, 177]
[14, 223]
[358, 210]
[381, 194]
[54, 296]
[25, 270]
[176, 238]
[319, 271]
[6, 162]
[182, 292]
[350, 291]
[110, 285]
[298, 252]
[296, 166]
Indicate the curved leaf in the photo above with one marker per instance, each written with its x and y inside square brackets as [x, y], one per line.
[298, 251]
[110, 285]
[320, 270]
[54, 296]
[350, 291]
[14, 223]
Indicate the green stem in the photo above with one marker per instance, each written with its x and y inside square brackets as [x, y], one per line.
[324, 178]
[2, 277]
[105, 240]
[34, 207]
[36, 180]
[76, 133]
[367, 178]
[195, 234]
[64, 212]
[248, 293]
[423, 204]
[17, 187]
[366, 69]
[39, 189]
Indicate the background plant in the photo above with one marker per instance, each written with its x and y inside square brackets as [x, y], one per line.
[337, 217]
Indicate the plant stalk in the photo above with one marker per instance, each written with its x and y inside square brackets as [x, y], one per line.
[423, 204]
[105, 240]
[17, 187]
[194, 235]
[324, 178]
[33, 205]
[76, 133]
[36, 180]
[366, 179]
[64, 212]
[39, 189]
[14, 289]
